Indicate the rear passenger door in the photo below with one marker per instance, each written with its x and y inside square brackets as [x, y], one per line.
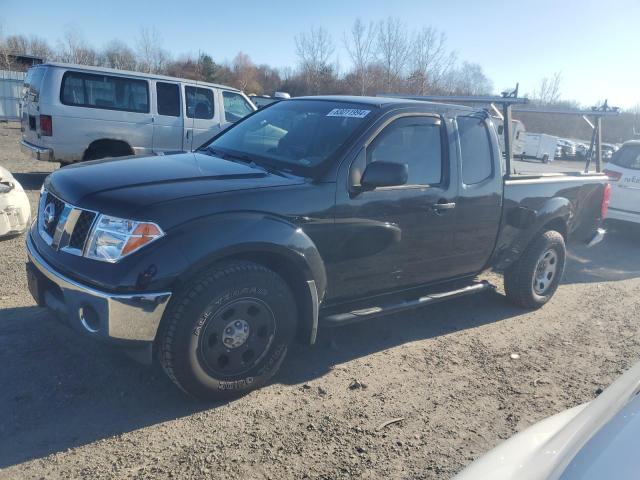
[167, 118]
[202, 115]
[479, 205]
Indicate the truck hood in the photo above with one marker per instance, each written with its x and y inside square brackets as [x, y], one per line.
[134, 182]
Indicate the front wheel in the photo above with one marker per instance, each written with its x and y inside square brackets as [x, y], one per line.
[534, 278]
[228, 331]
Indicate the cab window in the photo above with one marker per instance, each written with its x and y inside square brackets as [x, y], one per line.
[414, 141]
[475, 150]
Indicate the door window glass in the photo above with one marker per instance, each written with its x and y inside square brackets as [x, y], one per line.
[199, 102]
[235, 106]
[168, 99]
[415, 141]
[475, 149]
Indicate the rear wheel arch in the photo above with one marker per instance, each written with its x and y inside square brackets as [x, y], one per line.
[107, 147]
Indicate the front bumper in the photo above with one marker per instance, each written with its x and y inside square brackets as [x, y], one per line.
[39, 153]
[108, 316]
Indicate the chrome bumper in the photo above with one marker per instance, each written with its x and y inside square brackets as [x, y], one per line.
[109, 316]
[39, 153]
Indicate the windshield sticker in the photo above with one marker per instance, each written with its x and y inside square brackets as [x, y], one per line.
[348, 112]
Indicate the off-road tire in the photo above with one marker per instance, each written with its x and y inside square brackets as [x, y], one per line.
[197, 305]
[518, 278]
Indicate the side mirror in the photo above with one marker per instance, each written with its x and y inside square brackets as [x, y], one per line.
[384, 174]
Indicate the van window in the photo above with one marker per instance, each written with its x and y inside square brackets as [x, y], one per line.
[168, 99]
[33, 82]
[627, 157]
[235, 106]
[415, 141]
[475, 150]
[104, 91]
[199, 102]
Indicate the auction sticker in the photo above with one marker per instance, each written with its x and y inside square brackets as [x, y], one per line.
[348, 112]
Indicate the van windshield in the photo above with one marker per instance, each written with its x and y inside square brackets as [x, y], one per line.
[627, 157]
[296, 135]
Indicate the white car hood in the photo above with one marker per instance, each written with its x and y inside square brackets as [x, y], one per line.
[594, 440]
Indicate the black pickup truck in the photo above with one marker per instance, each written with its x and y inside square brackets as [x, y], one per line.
[315, 211]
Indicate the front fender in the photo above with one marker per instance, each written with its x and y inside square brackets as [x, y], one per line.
[206, 240]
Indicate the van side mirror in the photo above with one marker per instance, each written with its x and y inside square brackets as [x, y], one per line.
[384, 174]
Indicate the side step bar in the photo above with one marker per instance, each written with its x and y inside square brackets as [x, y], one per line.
[344, 318]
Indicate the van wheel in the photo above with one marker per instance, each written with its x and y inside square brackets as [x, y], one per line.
[228, 331]
[545, 158]
[534, 278]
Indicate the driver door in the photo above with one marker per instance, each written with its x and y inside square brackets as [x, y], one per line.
[395, 237]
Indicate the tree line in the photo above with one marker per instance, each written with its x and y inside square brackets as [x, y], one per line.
[384, 57]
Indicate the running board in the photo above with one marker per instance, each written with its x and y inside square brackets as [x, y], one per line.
[386, 309]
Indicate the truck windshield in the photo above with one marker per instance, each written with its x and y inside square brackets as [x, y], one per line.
[296, 135]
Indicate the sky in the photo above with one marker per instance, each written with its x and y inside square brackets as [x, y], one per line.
[594, 44]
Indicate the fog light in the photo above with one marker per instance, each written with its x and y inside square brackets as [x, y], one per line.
[89, 319]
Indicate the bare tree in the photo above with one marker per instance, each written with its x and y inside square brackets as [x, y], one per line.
[360, 46]
[314, 48]
[118, 55]
[468, 79]
[73, 49]
[548, 91]
[151, 57]
[430, 60]
[245, 73]
[393, 49]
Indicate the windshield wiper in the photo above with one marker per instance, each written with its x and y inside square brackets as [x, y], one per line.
[244, 158]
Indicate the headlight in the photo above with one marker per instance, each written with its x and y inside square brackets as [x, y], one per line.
[114, 238]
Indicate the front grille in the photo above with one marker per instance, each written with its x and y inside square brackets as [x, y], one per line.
[81, 229]
[62, 225]
[50, 227]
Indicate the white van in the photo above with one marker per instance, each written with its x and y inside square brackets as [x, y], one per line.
[72, 113]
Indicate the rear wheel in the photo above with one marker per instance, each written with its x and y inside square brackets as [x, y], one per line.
[534, 278]
[228, 332]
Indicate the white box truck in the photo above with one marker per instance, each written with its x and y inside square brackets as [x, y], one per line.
[539, 146]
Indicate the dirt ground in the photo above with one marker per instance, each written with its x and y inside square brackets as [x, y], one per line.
[70, 408]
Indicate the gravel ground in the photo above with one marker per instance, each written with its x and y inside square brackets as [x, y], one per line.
[71, 408]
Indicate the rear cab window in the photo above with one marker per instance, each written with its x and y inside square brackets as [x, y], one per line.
[475, 149]
[105, 92]
[235, 106]
[200, 102]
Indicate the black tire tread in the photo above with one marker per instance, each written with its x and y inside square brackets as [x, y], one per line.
[517, 278]
[186, 296]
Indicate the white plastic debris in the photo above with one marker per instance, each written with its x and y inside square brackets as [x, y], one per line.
[515, 356]
[15, 212]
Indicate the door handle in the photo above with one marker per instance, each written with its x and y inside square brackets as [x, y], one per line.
[440, 207]
[188, 134]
